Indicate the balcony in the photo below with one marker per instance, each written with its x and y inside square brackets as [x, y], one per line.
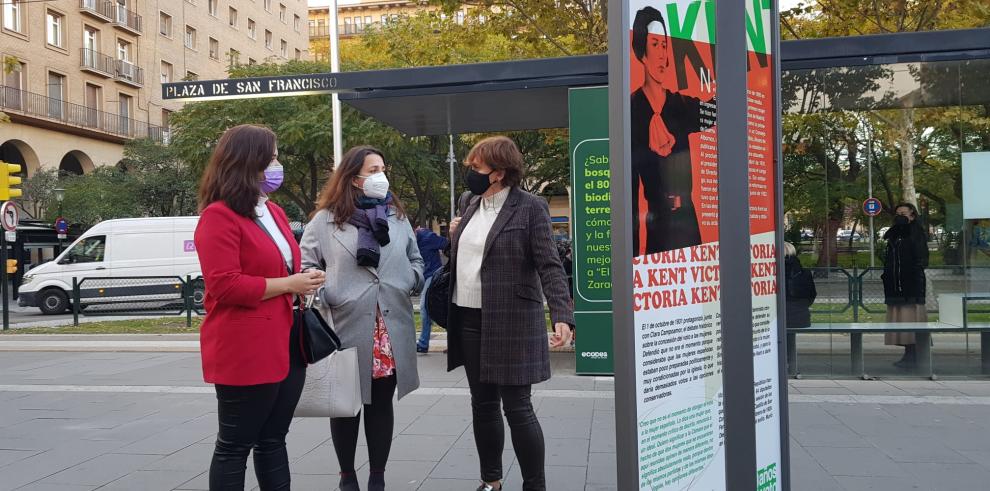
[127, 20]
[342, 30]
[60, 115]
[101, 9]
[129, 73]
[97, 63]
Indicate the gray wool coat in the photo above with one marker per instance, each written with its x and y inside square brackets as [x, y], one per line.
[351, 293]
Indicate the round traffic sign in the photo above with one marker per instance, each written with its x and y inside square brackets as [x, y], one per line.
[872, 207]
[61, 226]
[8, 216]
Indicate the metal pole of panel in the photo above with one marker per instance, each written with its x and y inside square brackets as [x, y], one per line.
[869, 193]
[785, 460]
[338, 132]
[3, 279]
[623, 334]
[452, 160]
[734, 251]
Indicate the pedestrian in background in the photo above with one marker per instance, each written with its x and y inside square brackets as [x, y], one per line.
[801, 292]
[503, 262]
[430, 245]
[251, 269]
[361, 236]
[904, 279]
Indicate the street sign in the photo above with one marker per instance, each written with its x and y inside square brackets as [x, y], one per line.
[8, 216]
[61, 226]
[10, 236]
[872, 207]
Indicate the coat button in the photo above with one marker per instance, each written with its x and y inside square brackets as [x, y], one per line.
[375, 281]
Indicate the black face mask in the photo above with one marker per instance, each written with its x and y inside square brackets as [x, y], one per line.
[901, 220]
[477, 182]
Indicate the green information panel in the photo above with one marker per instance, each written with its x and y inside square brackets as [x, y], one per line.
[592, 229]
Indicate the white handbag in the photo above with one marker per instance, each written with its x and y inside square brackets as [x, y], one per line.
[332, 388]
[344, 383]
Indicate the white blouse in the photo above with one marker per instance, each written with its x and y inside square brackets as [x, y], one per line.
[268, 221]
[471, 250]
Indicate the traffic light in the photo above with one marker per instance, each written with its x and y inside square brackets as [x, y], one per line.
[9, 176]
[11, 266]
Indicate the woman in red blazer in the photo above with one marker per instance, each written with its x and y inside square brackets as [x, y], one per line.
[250, 264]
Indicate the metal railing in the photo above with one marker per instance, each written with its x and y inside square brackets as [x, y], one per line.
[342, 29]
[15, 101]
[858, 293]
[129, 73]
[101, 8]
[127, 19]
[137, 295]
[94, 60]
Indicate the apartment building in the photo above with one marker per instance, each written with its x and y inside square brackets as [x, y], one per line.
[83, 77]
[355, 16]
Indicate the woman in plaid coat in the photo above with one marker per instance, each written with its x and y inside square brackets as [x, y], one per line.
[503, 263]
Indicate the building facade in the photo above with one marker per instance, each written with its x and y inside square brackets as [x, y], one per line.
[357, 15]
[83, 77]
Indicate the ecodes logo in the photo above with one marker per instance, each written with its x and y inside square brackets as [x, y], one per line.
[594, 355]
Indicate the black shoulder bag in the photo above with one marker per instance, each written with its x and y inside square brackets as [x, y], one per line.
[438, 295]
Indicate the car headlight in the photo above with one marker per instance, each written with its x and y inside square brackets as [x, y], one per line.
[26, 279]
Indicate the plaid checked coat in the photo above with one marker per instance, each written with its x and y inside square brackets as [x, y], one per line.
[520, 263]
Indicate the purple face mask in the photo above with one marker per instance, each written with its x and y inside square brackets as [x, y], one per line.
[273, 177]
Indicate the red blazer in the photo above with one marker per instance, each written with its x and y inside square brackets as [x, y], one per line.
[243, 340]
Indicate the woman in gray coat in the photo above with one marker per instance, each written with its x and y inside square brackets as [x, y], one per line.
[361, 238]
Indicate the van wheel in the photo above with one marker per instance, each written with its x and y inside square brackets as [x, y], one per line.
[198, 294]
[53, 301]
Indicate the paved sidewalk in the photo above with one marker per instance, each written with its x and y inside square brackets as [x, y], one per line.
[144, 420]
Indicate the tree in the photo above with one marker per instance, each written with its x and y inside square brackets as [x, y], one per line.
[104, 194]
[163, 183]
[39, 191]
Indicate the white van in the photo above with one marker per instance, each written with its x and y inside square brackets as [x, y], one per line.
[132, 247]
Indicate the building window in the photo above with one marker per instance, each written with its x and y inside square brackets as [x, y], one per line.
[384, 19]
[55, 24]
[298, 55]
[460, 16]
[233, 17]
[93, 104]
[268, 5]
[91, 39]
[368, 21]
[166, 118]
[212, 5]
[166, 72]
[123, 50]
[252, 61]
[56, 94]
[12, 15]
[125, 106]
[284, 49]
[190, 37]
[252, 29]
[165, 24]
[281, 13]
[15, 81]
[191, 75]
[268, 39]
[214, 49]
[296, 22]
[235, 57]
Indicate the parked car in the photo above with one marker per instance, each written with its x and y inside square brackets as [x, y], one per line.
[845, 234]
[133, 247]
[807, 234]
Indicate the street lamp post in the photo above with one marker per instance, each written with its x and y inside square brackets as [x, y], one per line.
[59, 196]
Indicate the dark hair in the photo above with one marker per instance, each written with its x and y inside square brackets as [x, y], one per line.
[339, 195]
[242, 153]
[499, 153]
[644, 16]
[910, 206]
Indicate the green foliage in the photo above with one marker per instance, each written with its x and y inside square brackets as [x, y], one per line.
[104, 194]
[164, 185]
[39, 192]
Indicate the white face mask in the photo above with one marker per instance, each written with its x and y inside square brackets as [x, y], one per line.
[376, 185]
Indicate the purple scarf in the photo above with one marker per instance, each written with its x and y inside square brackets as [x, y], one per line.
[371, 220]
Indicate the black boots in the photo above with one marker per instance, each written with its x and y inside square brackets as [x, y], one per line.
[349, 482]
[910, 358]
[376, 481]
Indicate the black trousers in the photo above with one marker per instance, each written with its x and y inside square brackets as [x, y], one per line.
[257, 417]
[486, 399]
[379, 422]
